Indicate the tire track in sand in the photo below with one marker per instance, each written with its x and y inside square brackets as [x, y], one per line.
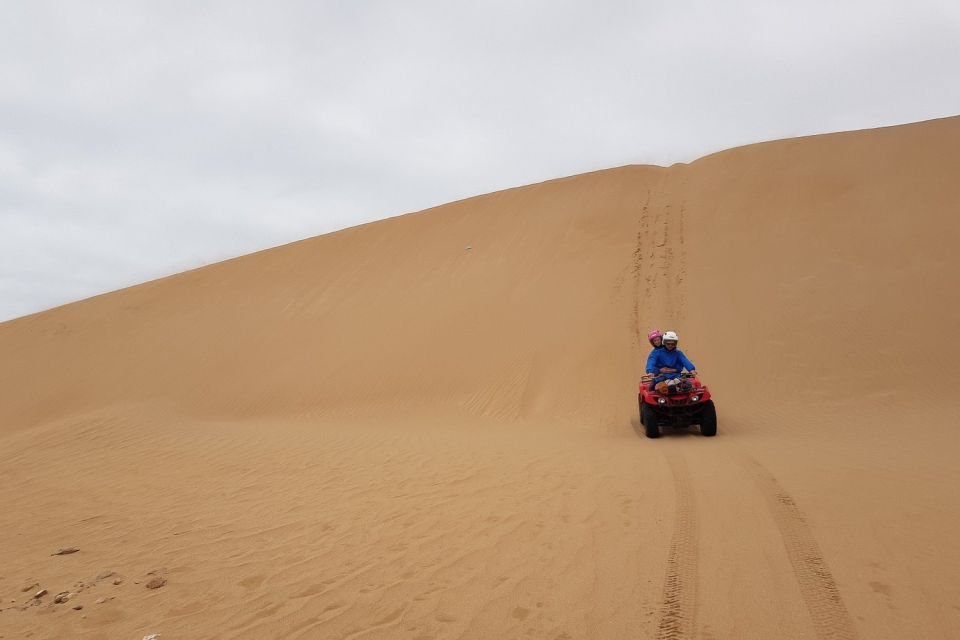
[678, 612]
[820, 592]
[659, 260]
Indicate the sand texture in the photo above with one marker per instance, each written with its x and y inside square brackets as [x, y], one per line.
[426, 427]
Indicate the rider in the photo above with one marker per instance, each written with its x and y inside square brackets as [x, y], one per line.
[667, 363]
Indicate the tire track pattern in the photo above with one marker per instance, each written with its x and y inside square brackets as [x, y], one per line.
[679, 609]
[659, 260]
[820, 592]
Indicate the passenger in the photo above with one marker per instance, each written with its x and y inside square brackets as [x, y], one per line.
[655, 338]
[669, 362]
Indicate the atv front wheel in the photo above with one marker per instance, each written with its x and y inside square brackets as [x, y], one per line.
[650, 421]
[640, 400]
[708, 419]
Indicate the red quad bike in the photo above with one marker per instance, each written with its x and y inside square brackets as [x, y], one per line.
[689, 406]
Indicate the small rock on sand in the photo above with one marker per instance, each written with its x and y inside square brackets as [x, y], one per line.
[30, 586]
[40, 594]
[78, 607]
[62, 597]
[103, 575]
[65, 551]
[118, 581]
[156, 583]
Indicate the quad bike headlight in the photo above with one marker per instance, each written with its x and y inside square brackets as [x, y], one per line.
[694, 398]
[662, 400]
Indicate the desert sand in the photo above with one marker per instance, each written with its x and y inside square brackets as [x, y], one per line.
[426, 427]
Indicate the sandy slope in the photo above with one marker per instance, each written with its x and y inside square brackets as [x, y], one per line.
[426, 427]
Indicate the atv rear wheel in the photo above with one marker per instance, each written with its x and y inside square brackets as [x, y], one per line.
[650, 421]
[708, 419]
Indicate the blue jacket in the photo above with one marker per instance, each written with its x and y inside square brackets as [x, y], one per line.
[667, 358]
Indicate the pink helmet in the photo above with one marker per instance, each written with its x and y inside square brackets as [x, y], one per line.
[654, 334]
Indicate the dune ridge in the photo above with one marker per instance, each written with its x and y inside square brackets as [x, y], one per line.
[426, 427]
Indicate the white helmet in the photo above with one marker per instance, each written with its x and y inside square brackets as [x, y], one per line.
[671, 335]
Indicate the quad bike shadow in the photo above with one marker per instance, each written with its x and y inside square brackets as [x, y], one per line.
[690, 404]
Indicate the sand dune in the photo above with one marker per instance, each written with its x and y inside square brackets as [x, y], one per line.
[426, 427]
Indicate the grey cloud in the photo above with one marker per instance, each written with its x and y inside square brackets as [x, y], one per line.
[140, 138]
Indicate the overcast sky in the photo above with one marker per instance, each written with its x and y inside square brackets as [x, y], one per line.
[138, 139]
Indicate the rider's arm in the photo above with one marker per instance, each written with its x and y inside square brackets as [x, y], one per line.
[686, 363]
[652, 362]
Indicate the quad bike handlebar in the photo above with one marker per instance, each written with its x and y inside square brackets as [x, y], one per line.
[647, 377]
